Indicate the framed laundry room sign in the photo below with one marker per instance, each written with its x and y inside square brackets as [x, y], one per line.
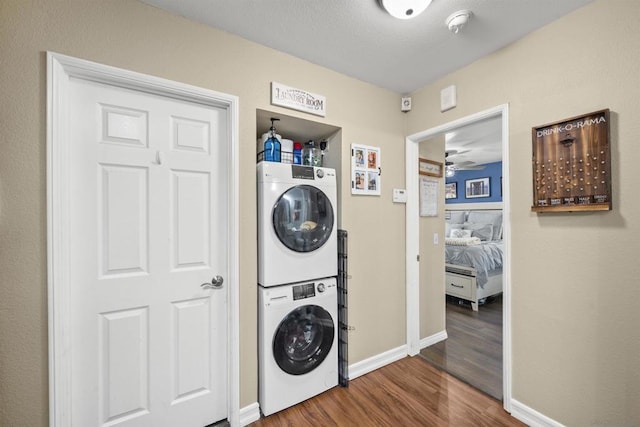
[571, 164]
[365, 170]
[298, 99]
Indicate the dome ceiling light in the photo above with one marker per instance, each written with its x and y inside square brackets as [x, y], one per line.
[405, 9]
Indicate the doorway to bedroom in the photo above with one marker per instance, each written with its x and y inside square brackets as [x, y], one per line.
[473, 265]
[475, 343]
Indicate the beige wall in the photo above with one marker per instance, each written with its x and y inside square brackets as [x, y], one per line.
[431, 275]
[138, 37]
[575, 286]
[576, 345]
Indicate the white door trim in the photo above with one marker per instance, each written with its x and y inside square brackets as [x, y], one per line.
[413, 245]
[60, 69]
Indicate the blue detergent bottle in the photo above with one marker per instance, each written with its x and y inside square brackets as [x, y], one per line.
[272, 145]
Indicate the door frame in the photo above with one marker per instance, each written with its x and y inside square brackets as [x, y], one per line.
[60, 70]
[413, 244]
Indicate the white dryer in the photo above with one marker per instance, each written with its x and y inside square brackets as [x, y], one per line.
[297, 223]
[297, 349]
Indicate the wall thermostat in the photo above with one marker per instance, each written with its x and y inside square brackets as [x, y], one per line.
[399, 195]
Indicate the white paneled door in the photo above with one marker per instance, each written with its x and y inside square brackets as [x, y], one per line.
[148, 226]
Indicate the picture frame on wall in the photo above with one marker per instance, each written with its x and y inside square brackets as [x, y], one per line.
[571, 164]
[475, 188]
[451, 190]
[430, 168]
[365, 170]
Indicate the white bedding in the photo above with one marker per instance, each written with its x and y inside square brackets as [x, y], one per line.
[462, 241]
[484, 257]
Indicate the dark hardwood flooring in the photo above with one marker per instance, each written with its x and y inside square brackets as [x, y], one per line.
[473, 350]
[409, 392]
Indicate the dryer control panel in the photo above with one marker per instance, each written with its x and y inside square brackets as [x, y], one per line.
[302, 172]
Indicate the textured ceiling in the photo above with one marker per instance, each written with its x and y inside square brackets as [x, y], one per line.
[477, 143]
[359, 39]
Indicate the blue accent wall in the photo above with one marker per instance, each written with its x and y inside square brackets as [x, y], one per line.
[492, 170]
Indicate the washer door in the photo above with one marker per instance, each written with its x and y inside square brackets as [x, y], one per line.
[303, 218]
[303, 339]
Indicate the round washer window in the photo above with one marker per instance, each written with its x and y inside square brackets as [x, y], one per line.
[303, 218]
[303, 339]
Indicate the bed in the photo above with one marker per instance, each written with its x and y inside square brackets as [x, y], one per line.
[473, 254]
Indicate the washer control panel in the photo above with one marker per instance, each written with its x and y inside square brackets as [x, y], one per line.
[307, 290]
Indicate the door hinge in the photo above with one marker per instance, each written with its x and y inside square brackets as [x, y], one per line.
[418, 258]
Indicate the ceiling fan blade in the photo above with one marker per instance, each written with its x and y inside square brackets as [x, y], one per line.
[471, 168]
[451, 153]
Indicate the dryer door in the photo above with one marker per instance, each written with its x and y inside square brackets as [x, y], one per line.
[303, 339]
[303, 218]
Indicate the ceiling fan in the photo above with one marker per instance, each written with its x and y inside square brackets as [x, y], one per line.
[451, 167]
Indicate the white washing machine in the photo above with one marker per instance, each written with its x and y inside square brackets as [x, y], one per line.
[297, 223]
[297, 342]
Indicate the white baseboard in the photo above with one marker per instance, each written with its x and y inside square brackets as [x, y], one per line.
[375, 362]
[249, 414]
[527, 415]
[530, 416]
[433, 339]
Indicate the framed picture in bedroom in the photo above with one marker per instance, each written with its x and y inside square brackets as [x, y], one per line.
[571, 164]
[451, 190]
[476, 188]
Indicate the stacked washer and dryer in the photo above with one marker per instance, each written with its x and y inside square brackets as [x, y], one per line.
[297, 292]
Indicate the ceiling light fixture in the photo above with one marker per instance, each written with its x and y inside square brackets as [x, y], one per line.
[457, 20]
[449, 171]
[405, 9]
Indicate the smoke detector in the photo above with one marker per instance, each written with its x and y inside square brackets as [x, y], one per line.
[457, 20]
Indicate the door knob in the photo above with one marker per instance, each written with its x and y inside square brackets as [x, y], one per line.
[216, 283]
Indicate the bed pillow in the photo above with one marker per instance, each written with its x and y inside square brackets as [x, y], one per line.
[494, 218]
[448, 227]
[456, 217]
[481, 231]
[460, 233]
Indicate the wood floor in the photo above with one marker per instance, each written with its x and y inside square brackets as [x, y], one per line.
[409, 392]
[473, 350]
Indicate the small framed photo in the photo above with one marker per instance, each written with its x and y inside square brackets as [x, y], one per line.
[429, 168]
[372, 181]
[477, 188]
[365, 170]
[451, 190]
